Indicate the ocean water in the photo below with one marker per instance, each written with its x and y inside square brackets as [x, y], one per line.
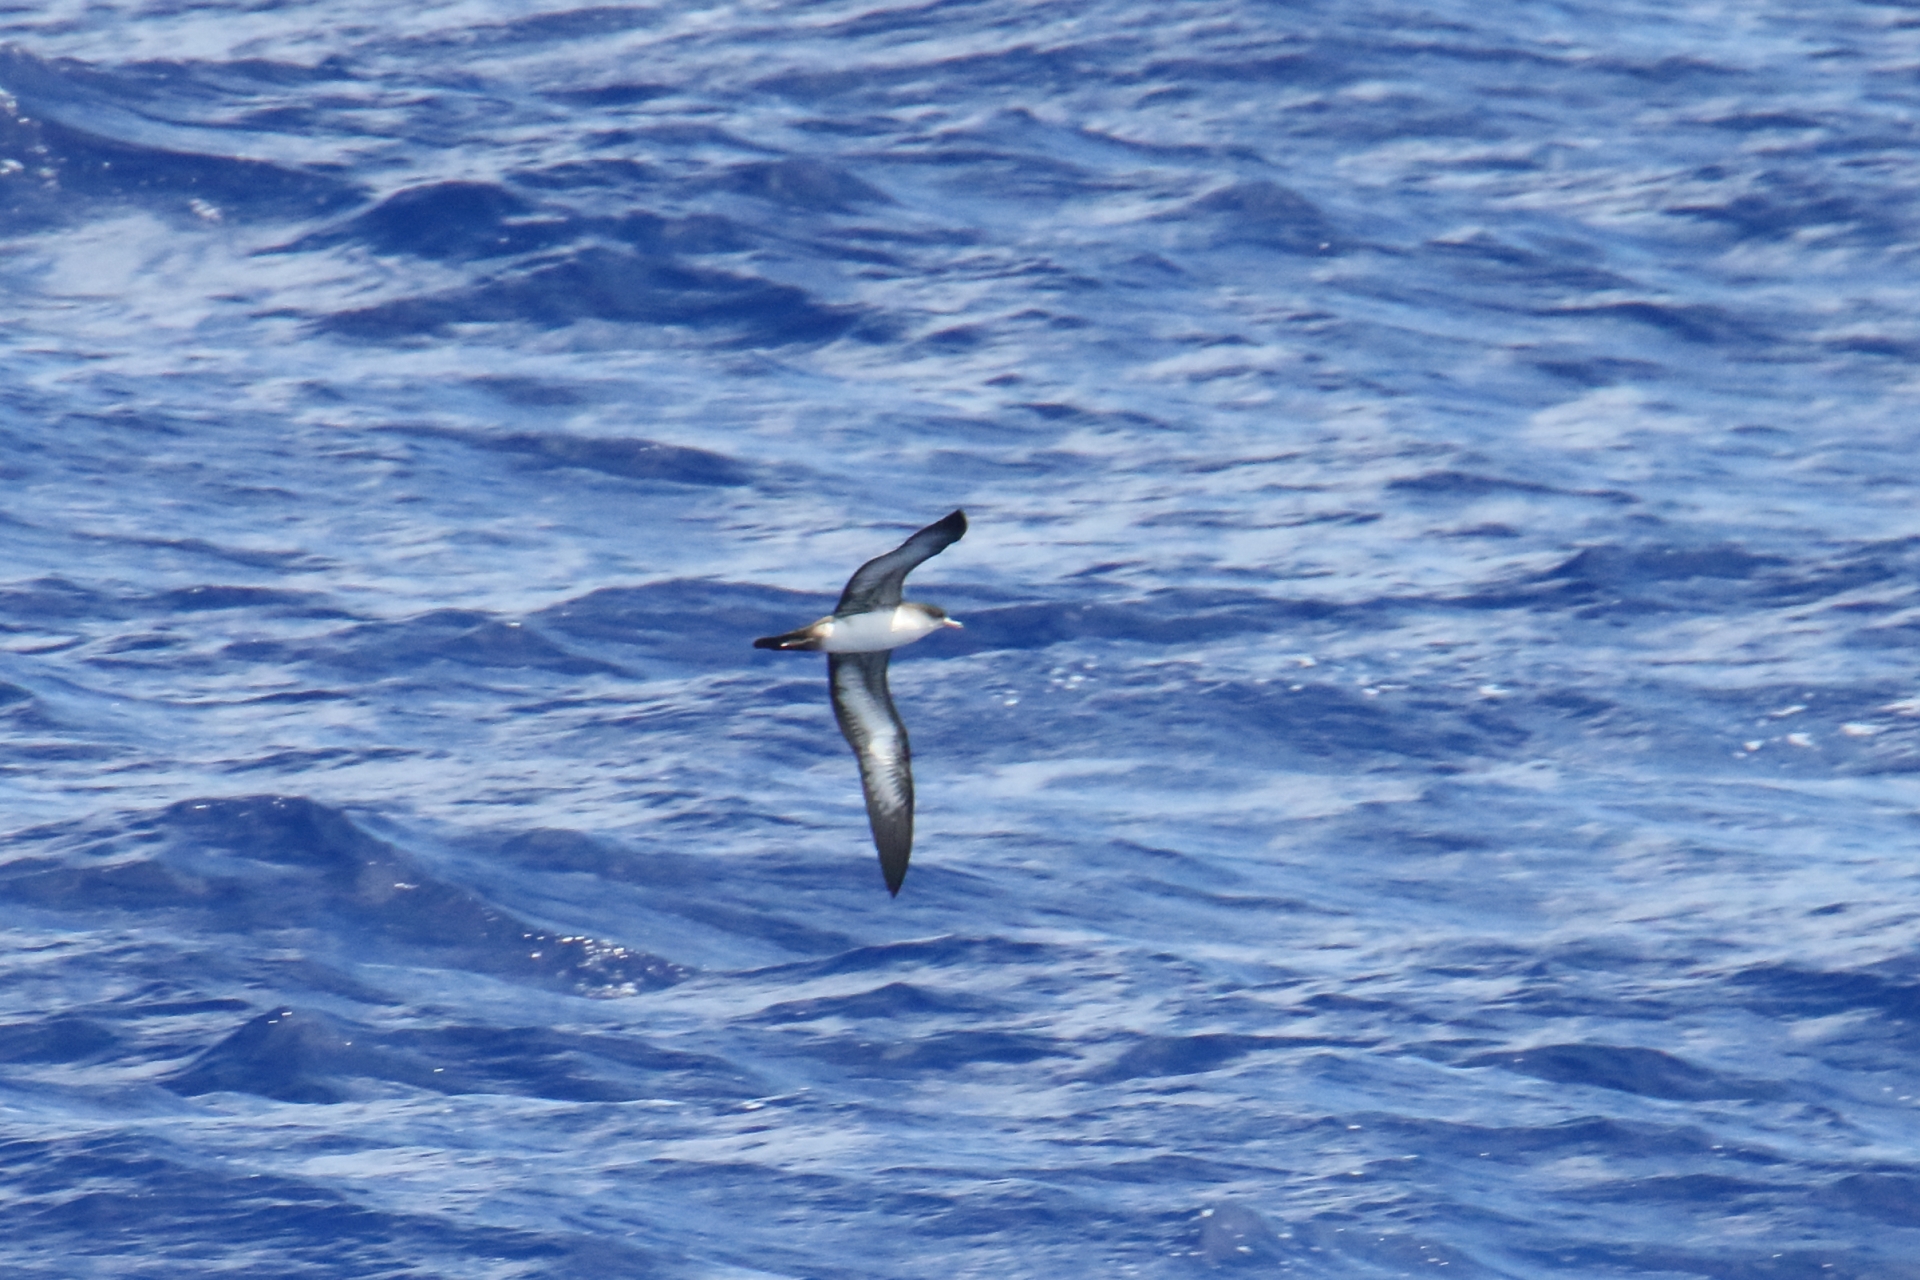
[1427, 787]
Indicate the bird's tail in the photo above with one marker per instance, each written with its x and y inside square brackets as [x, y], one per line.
[805, 638]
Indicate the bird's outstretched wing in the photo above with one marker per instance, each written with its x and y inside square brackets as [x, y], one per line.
[877, 583]
[864, 708]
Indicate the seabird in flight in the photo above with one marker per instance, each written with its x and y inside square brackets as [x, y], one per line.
[870, 622]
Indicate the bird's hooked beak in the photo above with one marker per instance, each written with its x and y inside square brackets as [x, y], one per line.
[953, 622]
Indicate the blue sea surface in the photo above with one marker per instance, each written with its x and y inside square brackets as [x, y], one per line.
[1427, 785]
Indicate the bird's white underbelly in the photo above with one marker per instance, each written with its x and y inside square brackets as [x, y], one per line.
[872, 632]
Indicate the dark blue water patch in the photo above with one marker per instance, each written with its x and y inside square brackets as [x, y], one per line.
[813, 87]
[528, 393]
[626, 459]
[572, 1066]
[1166, 1169]
[1161, 618]
[29, 191]
[1890, 1198]
[788, 925]
[826, 243]
[145, 642]
[895, 1000]
[963, 163]
[305, 1056]
[1341, 1002]
[1158, 886]
[1069, 323]
[1307, 64]
[1176, 1056]
[90, 168]
[550, 849]
[1864, 565]
[1699, 323]
[559, 853]
[291, 1057]
[1339, 1239]
[1649, 1073]
[625, 93]
[1467, 485]
[611, 285]
[1576, 705]
[682, 885]
[1601, 579]
[27, 752]
[1904, 635]
[296, 697]
[1398, 117]
[1485, 259]
[927, 1053]
[161, 88]
[1030, 72]
[447, 221]
[806, 186]
[563, 25]
[1670, 71]
[294, 976]
[692, 621]
[1589, 1136]
[922, 17]
[1601, 371]
[1721, 1262]
[195, 549]
[1562, 987]
[1898, 348]
[903, 240]
[332, 757]
[1703, 1190]
[696, 233]
[269, 600]
[1055, 411]
[1308, 726]
[465, 638]
[56, 600]
[1234, 1234]
[1780, 205]
[1750, 121]
[958, 338]
[1790, 991]
[236, 865]
[1463, 484]
[1330, 721]
[1766, 712]
[979, 954]
[57, 1039]
[621, 175]
[1001, 1209]
[51, 128]
[134, 1203]
[684, 139]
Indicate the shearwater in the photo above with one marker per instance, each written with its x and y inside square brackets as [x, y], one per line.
[869, 623]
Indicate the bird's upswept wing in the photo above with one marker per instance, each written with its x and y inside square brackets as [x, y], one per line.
[877, 583]
[864, 708]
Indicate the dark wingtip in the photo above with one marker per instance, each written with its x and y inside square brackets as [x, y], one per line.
[767, 642]
[956, 522]
[894, 868]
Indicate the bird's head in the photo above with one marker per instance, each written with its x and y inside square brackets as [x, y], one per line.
[938, 614]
